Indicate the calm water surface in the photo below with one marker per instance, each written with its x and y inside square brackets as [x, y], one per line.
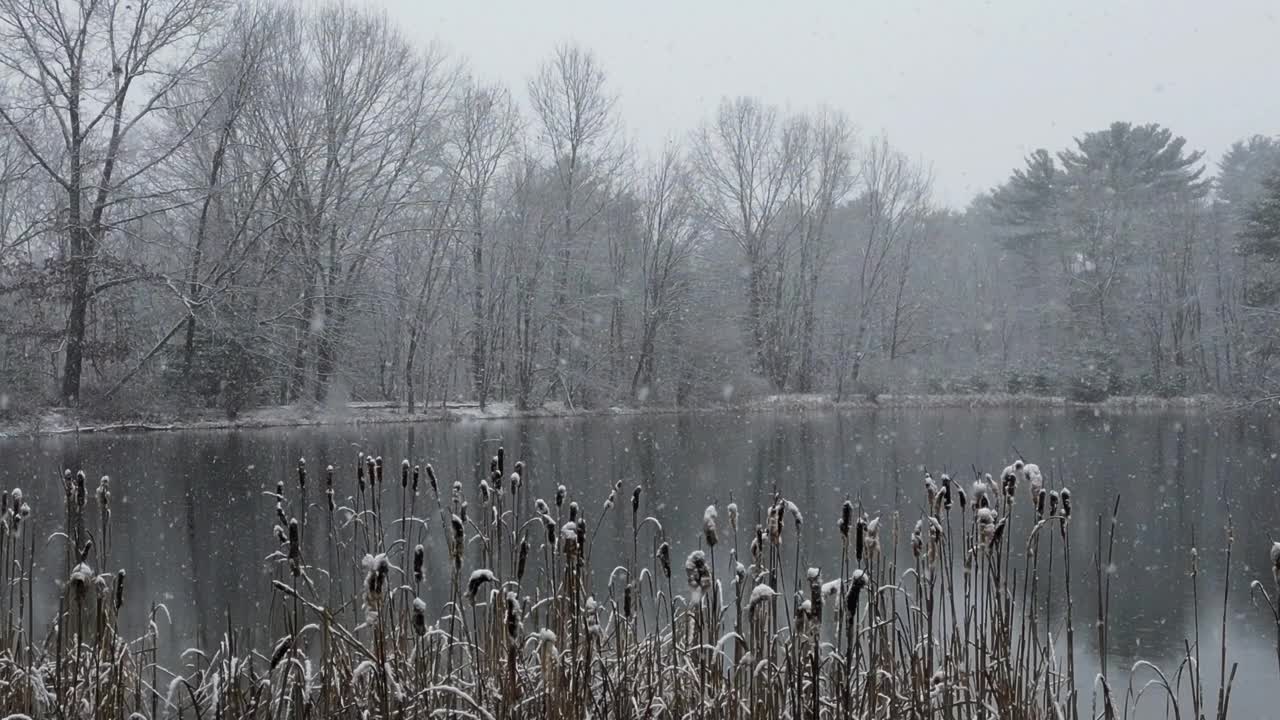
[193, 528]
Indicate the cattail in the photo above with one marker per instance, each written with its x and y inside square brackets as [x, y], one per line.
[419, 557]
[513, 619]
[477, 581]
[560, 492]
[814, 576]
[626, 601]
[581, 527]
[484, 491]
[569, 538]
[1040, 497]
[455, 548]
[302, 473]
[930, 491]
[664, 559]
[917, 542]
[709, 526]
[1035, 481]
[81, 576]
[635, 501]
[859, 537]
[573, 511]
[404, 474]
[761, 594]
[540, 506]
[697, 575]
[986, 524]
[431, 479]
[858, 582]
[946, 490]
[796, 516]
[1009, 478]
[284, 520]
[551, 530]
[281, 537]
[1066, 502]
[502, 455]
[419, 617]
[328, 487]
[1275, 562]
[462, 511]
[733, 517]
[846, 517]
[377, 567]
[118, 596]
[608, 502]
[515, 480]
[1053, 503]
[872, 539]
[960, 497]
[80, 494]
[360, 471]
[493, 464]
[104, 493]
[998, 533]
[295, 548]
[377, 464]
[281, 649]
[497, 482]
[522, 558]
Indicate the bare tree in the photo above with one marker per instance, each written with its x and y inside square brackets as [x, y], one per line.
[86, 78]
[668, 239]
[486, 131]
[745, 167]
[577, 126]
[891, 214]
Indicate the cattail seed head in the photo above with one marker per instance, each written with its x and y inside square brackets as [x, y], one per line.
[733, 517]
[419, 617]
[484, 491]
[946, 491]
[960, 496]
[118, 596]
[560, 493]
[522, 558]
[1066, 502]
[502, 455]
[104, 493]
[302, 473]
[856, 584]
[760, 595]
[709, 526]
[872, 539]
[1053, 503]
[664, 559]
[698, 575]
[1041, 498]
[573, 511]
[419, 559]
[80, 494]
[846, 519]
[860, 532]
[635, 501]
[377, 464]
[514, 483]
[479, 579]
[404, 473]
[455, 547]
[417, 473]
[431, 478]
[540, 506]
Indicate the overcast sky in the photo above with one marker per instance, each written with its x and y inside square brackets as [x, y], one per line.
[968, 87]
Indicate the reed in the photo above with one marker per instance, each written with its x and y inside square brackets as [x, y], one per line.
[964, 627]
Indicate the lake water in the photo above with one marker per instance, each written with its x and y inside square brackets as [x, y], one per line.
[193, 528]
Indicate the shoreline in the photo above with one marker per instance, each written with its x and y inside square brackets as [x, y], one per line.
[60, 422]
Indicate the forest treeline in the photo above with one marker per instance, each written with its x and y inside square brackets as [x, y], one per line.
[209, 204]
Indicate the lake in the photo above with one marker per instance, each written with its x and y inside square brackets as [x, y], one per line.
[193, 528]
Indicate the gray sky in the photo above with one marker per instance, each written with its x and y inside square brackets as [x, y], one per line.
[967, 87]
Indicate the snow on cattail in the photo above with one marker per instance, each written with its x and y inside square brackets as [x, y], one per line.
[540, 506]
[478, 580]
[404, 474]
[1035, 481]
[419, 617]
[872, 540]
[1066, 502]
[856, 583]
[455, 547]
[419, 558]
[930, 490]
[635, 501]
[664, 559]
[1053, 503]
[484, 491]
[302, 473]
[377, 465]
[560, 493]
[573, 511]
[608, 502]
[1009, 478]
[104, 493]
[917, 541]
[796, 516]
[709, 526]
[697, 575]
[761, 594]
[946, 491]
[832, 587]
[417, 473]
[81, 576]
[514, 619]
[514, 482]
[569, 538]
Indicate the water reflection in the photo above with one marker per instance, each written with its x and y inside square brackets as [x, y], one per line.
[193, 527]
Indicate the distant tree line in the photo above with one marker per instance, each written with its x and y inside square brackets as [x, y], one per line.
[229, 204]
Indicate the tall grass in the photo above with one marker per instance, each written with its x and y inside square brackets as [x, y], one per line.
[958, 621]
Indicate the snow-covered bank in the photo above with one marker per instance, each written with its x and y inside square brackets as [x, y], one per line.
[61, 421]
